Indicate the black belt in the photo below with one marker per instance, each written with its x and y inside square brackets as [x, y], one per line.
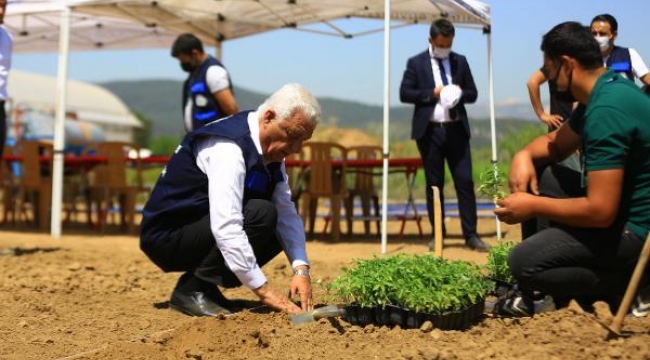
[446, 123]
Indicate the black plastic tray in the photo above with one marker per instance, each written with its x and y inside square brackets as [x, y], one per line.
[406, 319]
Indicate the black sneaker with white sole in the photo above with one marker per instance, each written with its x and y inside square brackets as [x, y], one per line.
[641, 304]
[517, 304]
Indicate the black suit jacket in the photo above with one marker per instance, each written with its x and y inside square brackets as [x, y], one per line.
[418, 84]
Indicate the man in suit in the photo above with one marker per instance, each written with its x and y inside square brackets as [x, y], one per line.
[439, 82]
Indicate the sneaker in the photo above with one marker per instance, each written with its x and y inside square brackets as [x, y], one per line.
[517, 304]
[641, 304]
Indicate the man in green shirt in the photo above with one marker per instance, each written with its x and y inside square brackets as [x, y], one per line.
[590, 251]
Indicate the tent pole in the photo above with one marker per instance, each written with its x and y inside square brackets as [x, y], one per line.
[218, 50]
[488, 32]
[59, 123]
[384, 178]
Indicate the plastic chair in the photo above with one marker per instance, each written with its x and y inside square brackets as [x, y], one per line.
[296, 178]
[364, 188]
[11, 193]
[36, 179]
[108, 184]
[324, 180]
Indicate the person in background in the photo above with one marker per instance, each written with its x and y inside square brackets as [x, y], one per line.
[560, 109]
[439, 83]
[222, 208]
[590, 251]
[6, 46]
[626, 61]
[207, 92]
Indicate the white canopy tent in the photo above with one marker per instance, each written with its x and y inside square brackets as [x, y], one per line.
[39, 26]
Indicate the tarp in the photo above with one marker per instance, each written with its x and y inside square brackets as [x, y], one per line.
[128, 24]
[85, 24]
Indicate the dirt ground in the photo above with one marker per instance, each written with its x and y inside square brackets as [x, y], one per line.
[90, 296]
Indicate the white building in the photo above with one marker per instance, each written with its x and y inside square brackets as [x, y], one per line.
[93, 112]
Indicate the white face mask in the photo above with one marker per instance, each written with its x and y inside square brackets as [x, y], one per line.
[603, 42]
[441, 53]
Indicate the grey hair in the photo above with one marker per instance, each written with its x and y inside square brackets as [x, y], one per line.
[291, 98]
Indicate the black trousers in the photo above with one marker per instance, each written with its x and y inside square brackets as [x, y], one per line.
[450, 143]
[555, 181]
[567, 262]
[193, 247]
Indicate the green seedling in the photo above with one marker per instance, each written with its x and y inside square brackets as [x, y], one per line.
[493, 183]
[420, 283]
[497, 262]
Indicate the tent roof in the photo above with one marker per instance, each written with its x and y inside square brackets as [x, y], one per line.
[125, 24]
[90, 102]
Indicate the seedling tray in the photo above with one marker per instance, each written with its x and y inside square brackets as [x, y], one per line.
[406, 319]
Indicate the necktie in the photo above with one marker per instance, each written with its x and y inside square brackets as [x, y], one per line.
[443, 74]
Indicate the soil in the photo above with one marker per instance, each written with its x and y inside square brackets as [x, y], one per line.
[89, 296]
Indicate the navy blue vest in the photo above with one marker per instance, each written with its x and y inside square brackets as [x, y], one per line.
[204, 106]
[619, 61]
[180, 196]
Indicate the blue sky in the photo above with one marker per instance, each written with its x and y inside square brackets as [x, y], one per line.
[353, 69]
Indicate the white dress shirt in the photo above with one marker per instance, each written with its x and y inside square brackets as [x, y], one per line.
[440, 113]
[223, 162]
[6, 47]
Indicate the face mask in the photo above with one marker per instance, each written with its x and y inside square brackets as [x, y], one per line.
[441, 53]
[187, 67]
[603, 42]
[564, 95]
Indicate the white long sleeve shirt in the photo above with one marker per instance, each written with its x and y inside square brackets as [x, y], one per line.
[223, 162]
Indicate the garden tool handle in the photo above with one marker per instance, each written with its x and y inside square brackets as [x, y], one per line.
[617, 322]
[328, 311]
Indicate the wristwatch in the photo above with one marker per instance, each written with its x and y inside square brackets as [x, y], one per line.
[303, 272]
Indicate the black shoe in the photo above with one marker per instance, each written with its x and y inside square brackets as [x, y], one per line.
[475, 243]
[196, 303]
[234, 305]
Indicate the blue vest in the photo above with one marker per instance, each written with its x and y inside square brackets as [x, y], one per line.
[619, 61]
[180, 196]
[204, 106]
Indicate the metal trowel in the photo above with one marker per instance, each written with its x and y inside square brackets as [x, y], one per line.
[320, 313]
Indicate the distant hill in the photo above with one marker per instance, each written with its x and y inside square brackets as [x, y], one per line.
[160, 101]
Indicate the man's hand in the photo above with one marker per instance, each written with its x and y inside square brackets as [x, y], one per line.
[551, 120]
[276, 300]
[437, 90]
[301, 286]
[523, 175]
[515, 208]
